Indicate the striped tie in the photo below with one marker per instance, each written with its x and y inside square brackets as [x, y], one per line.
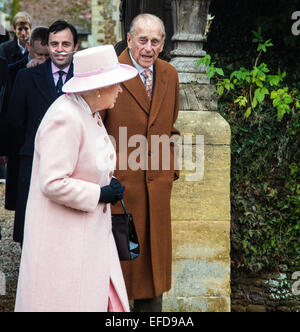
[148, 82]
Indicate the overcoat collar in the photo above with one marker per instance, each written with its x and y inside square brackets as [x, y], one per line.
[136, 87]
[44, 80]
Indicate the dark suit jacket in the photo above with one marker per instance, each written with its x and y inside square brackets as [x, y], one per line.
[13, 69]
[34, 91]
[12, 60]
[11, 51]
[3, 89]
[4, 38]
[13, 159]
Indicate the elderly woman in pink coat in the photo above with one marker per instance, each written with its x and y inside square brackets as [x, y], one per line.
[69, 259]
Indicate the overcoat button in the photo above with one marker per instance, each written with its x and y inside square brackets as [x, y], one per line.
[106, 139]
[100, 123]
[105, 209]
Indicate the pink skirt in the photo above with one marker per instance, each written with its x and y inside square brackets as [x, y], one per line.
[114, 303]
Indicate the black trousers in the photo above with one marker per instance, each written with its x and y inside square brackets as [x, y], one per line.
[148, 305]
[22, 196]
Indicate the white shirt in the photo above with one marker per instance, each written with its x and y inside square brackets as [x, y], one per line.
[23, 49]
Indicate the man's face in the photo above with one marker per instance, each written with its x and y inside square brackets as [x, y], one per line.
[59, 42]
[38, 51]
[146, 43]
[23, 31]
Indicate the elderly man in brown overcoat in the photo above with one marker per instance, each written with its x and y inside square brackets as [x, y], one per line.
[144, 114]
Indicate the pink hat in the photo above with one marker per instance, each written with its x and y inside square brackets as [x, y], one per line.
[96, 68]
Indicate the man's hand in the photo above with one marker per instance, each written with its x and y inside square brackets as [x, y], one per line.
[34, 63]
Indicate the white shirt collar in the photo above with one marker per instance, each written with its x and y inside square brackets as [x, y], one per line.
[23, 49]
[138, 67]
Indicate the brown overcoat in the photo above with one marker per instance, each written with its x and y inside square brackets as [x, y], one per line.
[148, 191]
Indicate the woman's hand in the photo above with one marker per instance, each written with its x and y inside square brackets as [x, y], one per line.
[112, 193]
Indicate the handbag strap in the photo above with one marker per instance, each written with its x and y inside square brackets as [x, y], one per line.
[122, 202]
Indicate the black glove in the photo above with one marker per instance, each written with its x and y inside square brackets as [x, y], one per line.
[112, 193]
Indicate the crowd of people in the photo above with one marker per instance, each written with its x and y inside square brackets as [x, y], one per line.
[59, 108]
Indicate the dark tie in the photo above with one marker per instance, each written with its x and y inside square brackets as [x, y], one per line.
[60, 83]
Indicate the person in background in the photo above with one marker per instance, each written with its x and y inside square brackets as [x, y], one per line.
[35, 89]
[3, 84]
[69, 259]
[148, 106]
[12, 51]
[3, 127]
[38, 53]
[16, 49]
[4, 35]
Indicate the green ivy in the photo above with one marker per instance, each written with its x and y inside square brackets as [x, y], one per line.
[265, 174]
[250, 87]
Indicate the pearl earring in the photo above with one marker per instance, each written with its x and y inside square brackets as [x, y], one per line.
[99, 95]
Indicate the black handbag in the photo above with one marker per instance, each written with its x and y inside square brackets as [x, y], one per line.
[125, 235]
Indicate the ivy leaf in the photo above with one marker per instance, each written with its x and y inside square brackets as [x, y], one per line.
[274, 80]
[206, 60]
[260, 94]
[241, 100]
[247, 113]
[220, 71]
[211, 72]
[274, 94]
[254, 102]
[288, 99]
[220, 90]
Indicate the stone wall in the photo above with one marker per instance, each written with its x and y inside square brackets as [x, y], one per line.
[106, 27]
[201, 208]
[264, 292]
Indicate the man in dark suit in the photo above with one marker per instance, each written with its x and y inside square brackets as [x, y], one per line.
[4, 35]
[11, 51]
[3, 82]
[3, 127]
[15, 50]
[38, 53]
[35, 89]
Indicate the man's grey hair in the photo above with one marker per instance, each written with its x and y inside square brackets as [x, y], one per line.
[147, 17]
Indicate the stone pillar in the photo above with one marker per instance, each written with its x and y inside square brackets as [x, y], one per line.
[201, 197]
[106, 26]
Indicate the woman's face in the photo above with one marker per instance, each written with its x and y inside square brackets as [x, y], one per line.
[109, 95]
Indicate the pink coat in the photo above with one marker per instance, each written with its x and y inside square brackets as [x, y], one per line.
[69, 254]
